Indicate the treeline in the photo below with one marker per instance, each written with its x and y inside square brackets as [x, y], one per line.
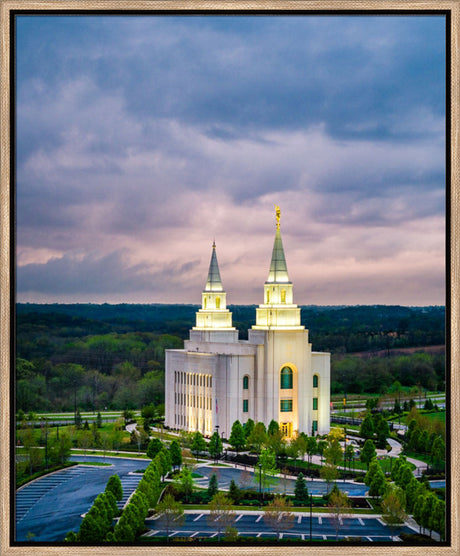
[335, 329]
[377, 374]
[112, 356]
[113, 371]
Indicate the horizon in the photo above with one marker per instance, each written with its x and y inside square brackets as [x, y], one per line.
[141, 139]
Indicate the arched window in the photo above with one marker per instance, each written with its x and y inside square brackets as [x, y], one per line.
[283, 296]
[204, 303]
[245, 382]
[217, 302]
[268, 296]
[286, 378]
[315, 381]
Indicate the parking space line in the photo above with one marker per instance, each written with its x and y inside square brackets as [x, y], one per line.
[197, 518]
[320, 520]
[195, 533]
[324, 537]
[213, 535]
[361, 522]
[369, 539]
[238, 518]
[299, 519]
[259, 518]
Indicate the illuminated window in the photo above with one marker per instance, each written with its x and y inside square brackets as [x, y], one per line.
[245, 406]
[204, 306]
[286, 378]
[315, 403]
[283, 296]
[315, 381]
[217, 302]
[268, 296]
[285, 405]
[245, 382]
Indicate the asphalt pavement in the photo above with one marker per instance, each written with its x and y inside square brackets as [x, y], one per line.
[252, 524]
[49, 507]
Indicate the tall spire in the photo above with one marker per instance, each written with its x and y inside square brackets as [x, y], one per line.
[278, 268]
[214, 282]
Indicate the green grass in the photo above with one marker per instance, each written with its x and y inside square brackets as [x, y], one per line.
[436, 415]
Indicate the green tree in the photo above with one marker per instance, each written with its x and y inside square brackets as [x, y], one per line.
[375, 479]
[301, 490]
[221, 514]
[234, 492]
[154, 448]
[213, 486]
[114, 486]
[311, 447]
[198, 444]
[90, 528]
[99, 420]
[329, 473]
[368, 452]
[237, 439]
[333, 452]
[273, 428]
[258, 437]
[171, 513]
[278, 516]
[393, 509]
[438, 451]
[176, 454]
[215, 446]
[367, 427]
[248, 427]
[267, 468]
[84, 440]
[339, 506]
[184, 482]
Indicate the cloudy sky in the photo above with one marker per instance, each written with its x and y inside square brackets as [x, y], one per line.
[140, 140]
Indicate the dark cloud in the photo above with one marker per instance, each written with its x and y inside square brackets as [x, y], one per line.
[95, 274]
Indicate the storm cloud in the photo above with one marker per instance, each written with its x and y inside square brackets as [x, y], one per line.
[140, 140]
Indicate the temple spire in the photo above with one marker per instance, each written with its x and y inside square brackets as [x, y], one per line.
[214, 282]
[278, 268]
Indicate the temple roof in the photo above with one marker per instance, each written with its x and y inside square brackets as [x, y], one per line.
[214, 282]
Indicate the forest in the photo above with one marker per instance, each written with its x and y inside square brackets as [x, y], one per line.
[112, 356]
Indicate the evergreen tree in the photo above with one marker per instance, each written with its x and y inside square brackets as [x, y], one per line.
[234, 492]
[273, 427]
[301, 490]
[184, 483]
[99, 420]
[176, 454]
[368, 452]
[237, 439]
[114, 486]
[213, 486]
[215, 446]
[367, 427]
[155, 446]
[248, 427]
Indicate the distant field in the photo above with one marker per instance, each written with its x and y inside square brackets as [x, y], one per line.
[401, 351]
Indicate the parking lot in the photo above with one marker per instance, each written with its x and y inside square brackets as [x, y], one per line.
[197, 525]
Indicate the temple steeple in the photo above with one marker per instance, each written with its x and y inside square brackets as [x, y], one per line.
[278, 309]
[213, 314]
[214, 282]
